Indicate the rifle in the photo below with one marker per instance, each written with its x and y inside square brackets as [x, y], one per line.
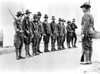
[12, 15]
[15, 20]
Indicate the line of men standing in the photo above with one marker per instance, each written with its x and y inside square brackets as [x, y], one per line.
[31, 31]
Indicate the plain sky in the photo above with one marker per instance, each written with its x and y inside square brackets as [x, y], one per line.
[67, 9]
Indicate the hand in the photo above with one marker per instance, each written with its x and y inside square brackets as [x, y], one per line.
[82, 35]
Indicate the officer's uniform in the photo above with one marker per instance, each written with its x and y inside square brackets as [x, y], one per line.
[87, 31]
[53, 27]
[60, 35]
[69, 33]
[63, 38]
[73, 25]
[18, 38]
[35, 35]
[47, 33]
[27, 32]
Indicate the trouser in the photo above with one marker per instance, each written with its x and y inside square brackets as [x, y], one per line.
[74, 39]
[18, 43]
[27, 43]
[63, 40]
[59, 42]
[69, 37]
[35, 43]
[46, 41]
[40, 38]
[53, 40]
[87, 46]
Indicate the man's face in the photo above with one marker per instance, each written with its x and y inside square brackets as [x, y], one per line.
[28, 15]
[84, 9]
[20, 17]
[46, 19]
[39, 16]
[73, 20]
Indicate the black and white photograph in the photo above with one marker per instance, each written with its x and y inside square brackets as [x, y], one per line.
[49, 37]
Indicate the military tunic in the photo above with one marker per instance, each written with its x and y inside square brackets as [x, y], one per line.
[87, 25]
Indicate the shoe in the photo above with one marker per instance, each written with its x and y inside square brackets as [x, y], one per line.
[18, 58]
[22, 57]
[40, 51]
[75, 46]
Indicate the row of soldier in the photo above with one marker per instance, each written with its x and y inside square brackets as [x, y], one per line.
[27, 32]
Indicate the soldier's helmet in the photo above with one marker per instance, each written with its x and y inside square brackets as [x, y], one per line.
[59, 19]
[68, 21]
[53, 18]
[39, 14]
[27, 12]
[86, 5]
[45, 16]
[19, 13]
[34, 16]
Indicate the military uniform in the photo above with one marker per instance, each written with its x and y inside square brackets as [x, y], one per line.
[18, 38]
[60, 35]
[47, 33]
[87, 31]
[63, 38]
[53, 27]
[73, 25]
[40, 30]
[27, 32]
[35, 35]
[69, 33]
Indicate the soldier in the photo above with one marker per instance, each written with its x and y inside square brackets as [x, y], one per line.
[53, 26]
[63, 38]
[27, 32]
[35, 34]
[46, 33]
[40, 30]
[69, 33]
[87, 32]
[74, 38]
[60, 34]
[18, 38]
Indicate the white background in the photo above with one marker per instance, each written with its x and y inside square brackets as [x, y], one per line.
[66, 9]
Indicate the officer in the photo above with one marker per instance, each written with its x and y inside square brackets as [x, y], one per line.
[46, 33]
[18, 38]
[60, 34]
[87, 32]
[63, 38]
[53, 27]
[69, 33]
[27, 32]
[74, 38]
[35, 35]
[40, 30]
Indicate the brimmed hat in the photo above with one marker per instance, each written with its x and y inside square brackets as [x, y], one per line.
[45, 16]
[68, 21]
[27, 12]
[86, 4]
[53, 18]
[34, 16]
[39, 14]
[59, 19]
[19, 13]
[63, 20]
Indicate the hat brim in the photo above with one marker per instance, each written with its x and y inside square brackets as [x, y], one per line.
[19, 15]
[28, 12]
[87, 6]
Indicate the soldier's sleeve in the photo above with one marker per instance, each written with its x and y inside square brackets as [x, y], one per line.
[15, 26]
[75, 26]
